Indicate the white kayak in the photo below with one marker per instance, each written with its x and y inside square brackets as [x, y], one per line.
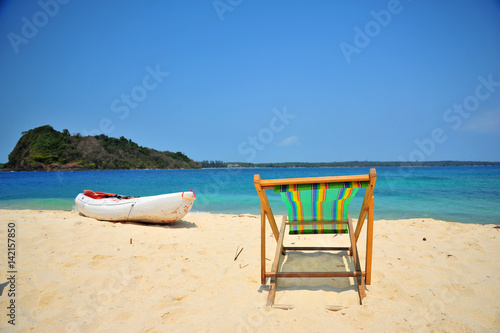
[164, 208]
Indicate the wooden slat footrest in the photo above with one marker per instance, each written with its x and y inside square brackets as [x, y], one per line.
[313, 248]
[315, 274]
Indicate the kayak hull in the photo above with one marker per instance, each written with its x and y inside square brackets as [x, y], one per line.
[164, 208]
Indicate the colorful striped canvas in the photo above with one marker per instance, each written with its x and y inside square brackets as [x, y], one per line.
[319, 202]
[317, 186]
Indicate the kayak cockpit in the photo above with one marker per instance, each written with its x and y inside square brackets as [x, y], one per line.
[103, 195]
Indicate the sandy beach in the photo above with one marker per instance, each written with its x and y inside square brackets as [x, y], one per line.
[77, 274]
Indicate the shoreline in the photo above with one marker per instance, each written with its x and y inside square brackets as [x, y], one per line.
[300, 165]
[242, 213]
[76, 273]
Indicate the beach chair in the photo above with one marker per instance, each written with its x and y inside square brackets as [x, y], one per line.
[317, 205]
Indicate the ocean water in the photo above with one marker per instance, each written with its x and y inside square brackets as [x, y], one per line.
[458, 194]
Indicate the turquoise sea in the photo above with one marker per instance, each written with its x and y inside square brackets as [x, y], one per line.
[458, 194]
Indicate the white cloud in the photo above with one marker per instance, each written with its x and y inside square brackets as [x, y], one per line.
[486, 122]
[288, 141]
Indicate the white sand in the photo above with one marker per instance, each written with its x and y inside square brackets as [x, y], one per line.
[76, 274]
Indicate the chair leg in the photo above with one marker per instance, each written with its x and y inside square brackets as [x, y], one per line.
[277, 258]
[353, 249]
[283, 225]
[272, 292]
[369, 242]
[262, 245]
[357, 266]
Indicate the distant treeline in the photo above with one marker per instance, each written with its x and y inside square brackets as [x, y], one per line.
[220, 164]
[213, 164]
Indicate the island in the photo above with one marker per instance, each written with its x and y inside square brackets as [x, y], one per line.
[44, 148]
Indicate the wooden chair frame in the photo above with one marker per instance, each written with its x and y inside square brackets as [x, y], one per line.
[367, 208]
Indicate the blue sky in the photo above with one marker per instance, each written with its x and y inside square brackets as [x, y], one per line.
[258, 81]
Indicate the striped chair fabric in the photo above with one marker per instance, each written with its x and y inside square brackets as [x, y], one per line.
[318, 202]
